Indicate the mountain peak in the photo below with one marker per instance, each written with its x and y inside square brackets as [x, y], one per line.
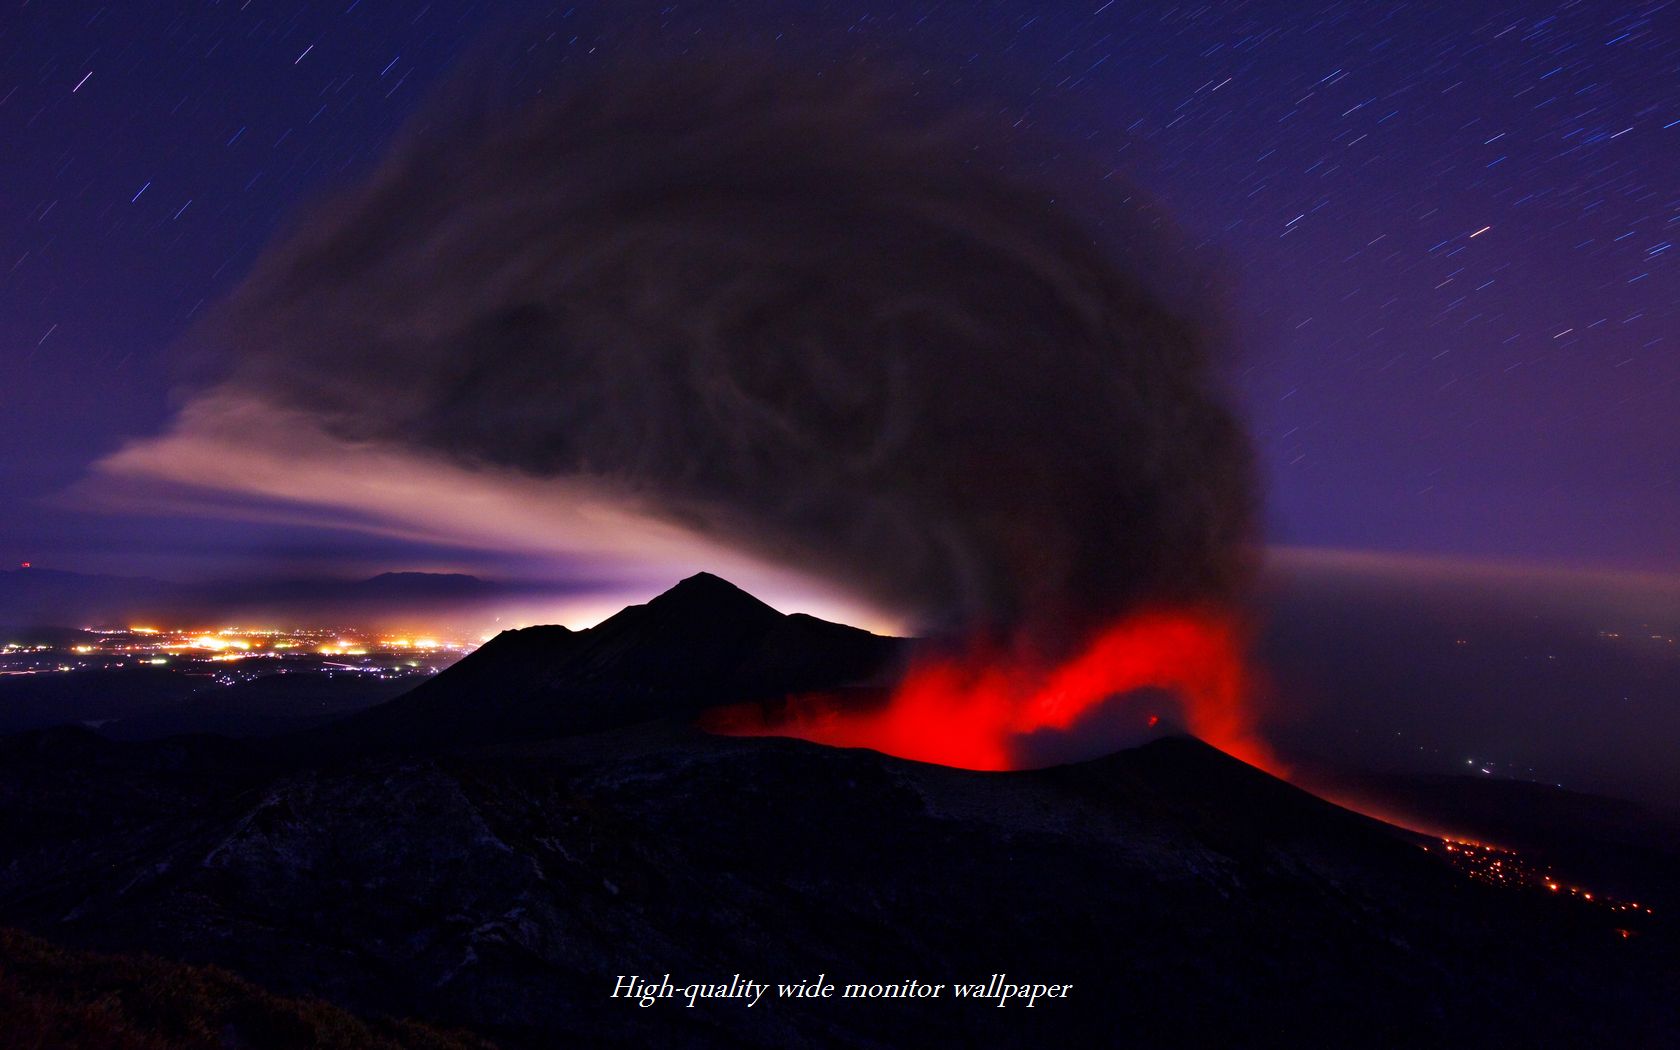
[706, 594]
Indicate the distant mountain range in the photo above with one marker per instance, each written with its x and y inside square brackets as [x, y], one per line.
[499, 847]
[49, 597]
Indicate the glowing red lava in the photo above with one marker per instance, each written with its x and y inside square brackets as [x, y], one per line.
[971, 713]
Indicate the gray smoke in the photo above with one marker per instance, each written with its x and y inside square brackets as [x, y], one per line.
[810, 316]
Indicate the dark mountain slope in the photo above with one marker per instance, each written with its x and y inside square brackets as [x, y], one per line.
[1191, 900]
[1625, 849]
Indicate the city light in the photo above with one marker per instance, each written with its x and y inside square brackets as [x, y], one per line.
[238, 654]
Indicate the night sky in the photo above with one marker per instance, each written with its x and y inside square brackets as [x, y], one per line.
[1446, 231]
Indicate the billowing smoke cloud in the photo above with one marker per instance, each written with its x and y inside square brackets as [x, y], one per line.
[805, 314]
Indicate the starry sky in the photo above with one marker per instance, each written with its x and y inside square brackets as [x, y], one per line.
[1444, 231]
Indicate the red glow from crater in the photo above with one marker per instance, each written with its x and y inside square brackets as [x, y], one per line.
[971, 712]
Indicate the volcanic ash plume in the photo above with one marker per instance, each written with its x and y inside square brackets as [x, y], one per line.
[804, 315]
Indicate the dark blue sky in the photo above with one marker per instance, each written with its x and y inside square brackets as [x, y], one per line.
[1446, 231]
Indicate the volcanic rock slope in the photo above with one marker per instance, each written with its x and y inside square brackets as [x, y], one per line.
[506, 886]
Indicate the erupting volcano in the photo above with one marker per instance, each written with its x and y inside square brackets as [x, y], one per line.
[449, 719]
[897, 359]
[973, 711]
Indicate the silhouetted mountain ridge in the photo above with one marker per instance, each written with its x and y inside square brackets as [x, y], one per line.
[703, 642]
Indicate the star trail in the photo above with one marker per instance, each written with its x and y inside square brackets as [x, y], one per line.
[1444, 233]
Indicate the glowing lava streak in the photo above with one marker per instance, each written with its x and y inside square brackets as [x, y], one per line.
[971, 712]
